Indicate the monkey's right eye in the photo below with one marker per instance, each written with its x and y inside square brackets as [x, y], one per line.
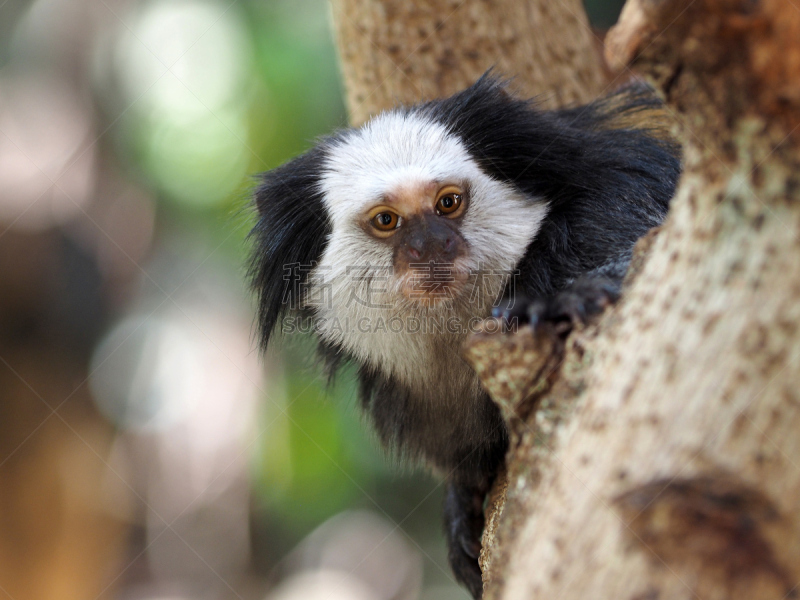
[385, 221]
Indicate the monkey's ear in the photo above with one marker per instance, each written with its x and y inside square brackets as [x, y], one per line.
[289, 237]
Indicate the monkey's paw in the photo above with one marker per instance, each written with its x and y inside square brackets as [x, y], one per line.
[586, 297]
[463, 517]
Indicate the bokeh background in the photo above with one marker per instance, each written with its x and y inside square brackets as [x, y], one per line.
[147, 451]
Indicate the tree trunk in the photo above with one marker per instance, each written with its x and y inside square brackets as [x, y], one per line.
[669, 467]
[401, 51]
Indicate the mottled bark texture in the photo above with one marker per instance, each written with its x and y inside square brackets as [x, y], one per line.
[663, 457]
[401, 51]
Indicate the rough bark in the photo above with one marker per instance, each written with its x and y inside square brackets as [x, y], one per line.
[671, 468]
[399, 51]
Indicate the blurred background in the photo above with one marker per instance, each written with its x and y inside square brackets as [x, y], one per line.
[147, 451]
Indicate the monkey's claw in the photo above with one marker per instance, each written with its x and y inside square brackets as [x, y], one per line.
[586, 297]
[514, 312]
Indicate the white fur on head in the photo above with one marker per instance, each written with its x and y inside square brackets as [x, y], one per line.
[395, 149]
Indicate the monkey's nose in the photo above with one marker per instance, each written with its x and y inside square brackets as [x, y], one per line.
[431, 249]
[417, 247]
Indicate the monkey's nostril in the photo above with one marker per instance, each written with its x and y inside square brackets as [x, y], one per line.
[414, 253]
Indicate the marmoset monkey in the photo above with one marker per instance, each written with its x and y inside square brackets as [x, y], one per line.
[396, 237]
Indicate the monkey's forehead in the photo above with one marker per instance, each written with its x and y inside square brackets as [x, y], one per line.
[394, 150]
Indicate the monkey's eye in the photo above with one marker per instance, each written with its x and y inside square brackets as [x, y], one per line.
[385, 221]
[449, 201]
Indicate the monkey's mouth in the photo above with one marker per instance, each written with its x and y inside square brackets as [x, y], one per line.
[433, 283]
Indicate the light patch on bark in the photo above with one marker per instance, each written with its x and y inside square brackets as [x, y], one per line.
[400, 52]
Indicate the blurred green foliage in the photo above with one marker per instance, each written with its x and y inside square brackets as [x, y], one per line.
[300, 85]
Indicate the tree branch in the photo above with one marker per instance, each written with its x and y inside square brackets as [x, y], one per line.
[401, 52]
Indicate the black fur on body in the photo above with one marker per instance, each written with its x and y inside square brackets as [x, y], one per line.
[605, 187]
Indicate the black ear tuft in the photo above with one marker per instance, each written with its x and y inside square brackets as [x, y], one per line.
[502, 132]
[477, 112]
[289, 237]
[616, 145]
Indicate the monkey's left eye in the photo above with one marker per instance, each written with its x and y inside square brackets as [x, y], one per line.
[449, 201]
[385, 221]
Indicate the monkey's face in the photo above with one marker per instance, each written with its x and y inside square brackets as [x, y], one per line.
[421, 223]
[410, 207]
[417, 230]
